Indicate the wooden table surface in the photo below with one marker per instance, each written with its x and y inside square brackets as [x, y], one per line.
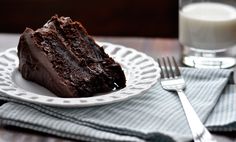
[154, 47]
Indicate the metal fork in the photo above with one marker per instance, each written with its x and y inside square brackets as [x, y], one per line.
[172, 80]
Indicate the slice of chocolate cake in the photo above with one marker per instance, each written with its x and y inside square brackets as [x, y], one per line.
[62, 57]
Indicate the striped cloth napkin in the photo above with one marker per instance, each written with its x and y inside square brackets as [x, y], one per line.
[157, 115]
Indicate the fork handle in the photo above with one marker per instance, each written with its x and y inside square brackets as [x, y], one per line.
[199, 131]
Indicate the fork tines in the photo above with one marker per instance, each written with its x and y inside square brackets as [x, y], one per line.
[168, 68]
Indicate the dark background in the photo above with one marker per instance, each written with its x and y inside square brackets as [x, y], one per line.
[147, 18]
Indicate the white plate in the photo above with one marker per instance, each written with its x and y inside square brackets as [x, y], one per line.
[141, 72]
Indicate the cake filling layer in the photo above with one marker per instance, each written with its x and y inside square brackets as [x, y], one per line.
[70, 57]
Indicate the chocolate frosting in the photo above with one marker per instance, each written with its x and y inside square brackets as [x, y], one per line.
[62, 57]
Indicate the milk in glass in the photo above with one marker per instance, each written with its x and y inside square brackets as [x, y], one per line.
[207, 26]
[207, 33]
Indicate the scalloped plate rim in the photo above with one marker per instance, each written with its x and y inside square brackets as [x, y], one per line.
[88, 102]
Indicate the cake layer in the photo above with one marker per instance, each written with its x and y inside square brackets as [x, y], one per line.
[62, 57]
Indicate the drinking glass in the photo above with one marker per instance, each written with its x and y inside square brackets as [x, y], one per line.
[207, 33]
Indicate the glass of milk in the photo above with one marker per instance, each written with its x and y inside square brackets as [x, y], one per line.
[207, 33]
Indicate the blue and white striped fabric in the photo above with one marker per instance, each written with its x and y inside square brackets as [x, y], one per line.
[155, 116]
